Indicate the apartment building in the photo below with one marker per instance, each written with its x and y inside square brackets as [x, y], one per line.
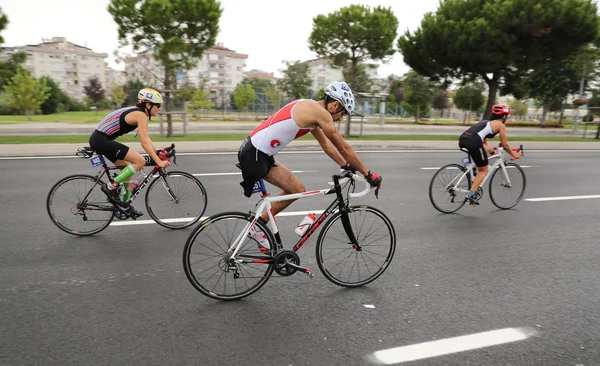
[220, 68]
[259, 74]
[322, 72]
[113, 76]
[70, 65]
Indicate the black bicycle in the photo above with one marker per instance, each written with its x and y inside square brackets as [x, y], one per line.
[360, 239]
[174, 199]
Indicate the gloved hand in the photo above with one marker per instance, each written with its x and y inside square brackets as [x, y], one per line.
[374, 180]
[347, 168]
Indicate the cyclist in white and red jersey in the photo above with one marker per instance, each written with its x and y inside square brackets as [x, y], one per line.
[296, 119]
[475, 141]
[118, 123]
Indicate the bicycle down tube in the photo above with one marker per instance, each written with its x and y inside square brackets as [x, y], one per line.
[266, 205]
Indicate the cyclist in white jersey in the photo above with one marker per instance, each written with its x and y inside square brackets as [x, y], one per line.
[296, 119]
[475, 141]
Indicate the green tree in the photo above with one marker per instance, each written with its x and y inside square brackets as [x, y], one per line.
[419, 94]
[200, 100]
[469, 98]
[117, 95]
[498, 41]
[295, 82]
[178, 32]
[10, 67]
[354, 33]
[3, 24]
[244, 95]
[518, 107]
[132, 88]
[274, 96]
[552, 81]
[259, 85]
[26, 93]
[57, 101]
[594, 102]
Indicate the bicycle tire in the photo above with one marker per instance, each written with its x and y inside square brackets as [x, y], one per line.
[323, 265]
[177, 224]
[206, 223]
[494, 201]
[59, 223]
[459, 204]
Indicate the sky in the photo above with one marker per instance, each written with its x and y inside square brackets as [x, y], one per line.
[268, 31]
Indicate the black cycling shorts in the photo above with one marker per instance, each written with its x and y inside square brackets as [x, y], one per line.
[104, 145]
[255, 165]
[475, 147]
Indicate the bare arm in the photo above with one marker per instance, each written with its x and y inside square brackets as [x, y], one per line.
[329, 149]
[504, 141]
[326, 123]
[147, 145]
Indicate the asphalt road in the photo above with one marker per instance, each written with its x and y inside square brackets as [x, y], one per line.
[121, 297]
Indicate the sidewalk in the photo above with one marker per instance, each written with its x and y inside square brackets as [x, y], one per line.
[301, 145]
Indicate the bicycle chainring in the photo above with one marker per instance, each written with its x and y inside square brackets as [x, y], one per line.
[281, 262]
[121, 215]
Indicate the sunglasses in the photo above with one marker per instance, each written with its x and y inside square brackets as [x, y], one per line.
[157, 104]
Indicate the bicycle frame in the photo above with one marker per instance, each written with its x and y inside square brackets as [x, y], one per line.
[106, 169]
[470, 166]
[265, 204]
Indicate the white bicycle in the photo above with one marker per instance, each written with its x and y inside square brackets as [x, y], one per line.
[451, 183]
[222, 262]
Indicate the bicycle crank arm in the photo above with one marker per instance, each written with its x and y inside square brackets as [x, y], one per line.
[302, 269]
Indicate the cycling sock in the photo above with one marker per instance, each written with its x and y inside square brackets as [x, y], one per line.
[125, 174]
[471, 193]
[127, 193]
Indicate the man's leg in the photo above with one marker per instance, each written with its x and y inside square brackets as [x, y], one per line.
[280, 176]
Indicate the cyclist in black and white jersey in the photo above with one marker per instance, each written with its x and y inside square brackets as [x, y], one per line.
[475, 141]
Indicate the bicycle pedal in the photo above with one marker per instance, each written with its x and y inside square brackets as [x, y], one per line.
[309, 273]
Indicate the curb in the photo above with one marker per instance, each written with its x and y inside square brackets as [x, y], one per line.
[68, 150]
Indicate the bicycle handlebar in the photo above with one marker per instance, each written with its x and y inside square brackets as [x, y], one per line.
[520, 149]
[344, 179]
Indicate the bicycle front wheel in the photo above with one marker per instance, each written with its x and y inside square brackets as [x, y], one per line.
[206, 257]
[77, 206]
[346, 265]
[507, 189]
[442, 189]
[177, 203]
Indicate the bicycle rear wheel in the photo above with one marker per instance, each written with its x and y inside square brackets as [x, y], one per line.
[375, 235]
[206, 259]
[441, 188]
[77, 206]
[180, 204]
[503, 195]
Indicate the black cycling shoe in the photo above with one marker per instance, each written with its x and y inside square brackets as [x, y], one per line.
[112, 194]
[135, 213]
[472, 200]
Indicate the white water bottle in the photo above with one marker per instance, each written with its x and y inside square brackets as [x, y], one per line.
[136, 180]
[305, 224]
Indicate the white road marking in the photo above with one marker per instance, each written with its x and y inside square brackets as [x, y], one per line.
[369, 306]
[449, 345]
[239, 173]
[185, 219]
[563, 198]
[438, 167]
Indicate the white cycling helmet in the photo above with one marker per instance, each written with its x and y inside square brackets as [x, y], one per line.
[341, 92]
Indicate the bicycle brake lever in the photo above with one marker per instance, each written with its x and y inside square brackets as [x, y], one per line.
[377, 192]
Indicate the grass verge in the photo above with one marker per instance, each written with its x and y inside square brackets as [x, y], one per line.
[83, 139]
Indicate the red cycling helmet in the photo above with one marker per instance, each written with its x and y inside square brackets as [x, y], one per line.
[501, 109]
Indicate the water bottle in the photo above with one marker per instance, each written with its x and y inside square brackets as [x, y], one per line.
[305, 224]
[136, 180]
